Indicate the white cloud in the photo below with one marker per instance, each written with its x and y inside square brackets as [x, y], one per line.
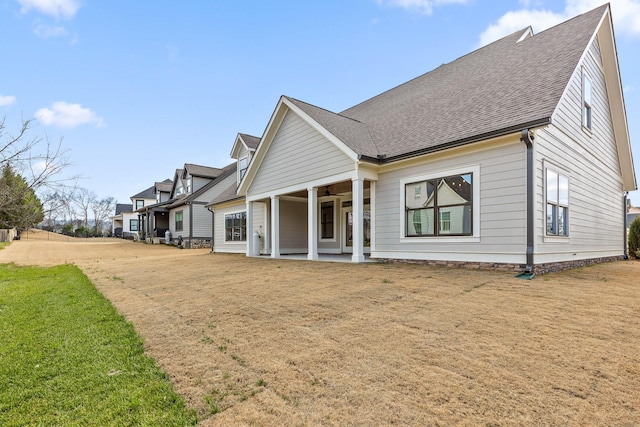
[626, 17]
[7, 100]
[421, 6]
[57, 8]
[48, 31]
[65, 115]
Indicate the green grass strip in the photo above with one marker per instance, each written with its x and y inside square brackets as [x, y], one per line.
[68, 358]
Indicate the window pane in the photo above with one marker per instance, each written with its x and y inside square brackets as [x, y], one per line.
[552, 215]
[552, 186]
[326, 220]
[563, 224]
[420, 222]
[454, 190]
[587, 90]
[563, 190]
[415, 195]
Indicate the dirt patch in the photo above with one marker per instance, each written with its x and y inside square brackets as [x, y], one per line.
[280, 342]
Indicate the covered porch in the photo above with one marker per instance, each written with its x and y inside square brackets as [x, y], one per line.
[323, 221]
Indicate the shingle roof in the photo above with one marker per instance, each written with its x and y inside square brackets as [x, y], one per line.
[502, 87]
[164, 186]
[145, 194]
[250, 140]
[123, 207]
[226, 196]
[203, 171]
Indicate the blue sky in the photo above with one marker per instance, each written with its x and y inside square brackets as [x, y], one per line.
[138, 88]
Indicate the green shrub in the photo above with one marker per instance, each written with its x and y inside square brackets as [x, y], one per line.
[634, 238]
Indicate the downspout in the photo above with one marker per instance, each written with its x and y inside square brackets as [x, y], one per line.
[213, 229]
[190, 223]
[527, 138]
[624, 221]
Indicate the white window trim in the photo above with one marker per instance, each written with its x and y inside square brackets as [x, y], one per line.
[475, 237]
[335, 201]
[560, 171]
[224, 228]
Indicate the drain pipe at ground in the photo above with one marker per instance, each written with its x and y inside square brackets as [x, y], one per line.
[625, 225]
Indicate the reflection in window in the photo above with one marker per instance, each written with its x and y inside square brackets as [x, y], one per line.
[439, 207]
[235, 227]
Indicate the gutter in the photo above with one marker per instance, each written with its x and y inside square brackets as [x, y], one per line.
[527, 138]
[382, 159]
[213, 227]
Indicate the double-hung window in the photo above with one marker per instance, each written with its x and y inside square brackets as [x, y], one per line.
[235, 227]
[139, 204]
[133, 225]
[586, 101]
[439, 206]
[557, 189]
[178, 220]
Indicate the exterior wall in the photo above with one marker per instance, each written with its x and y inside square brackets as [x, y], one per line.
[197, 183]
[185, 222]
[298, 154]
[293, 226]
[501, 206]
[590, 160]
[259, 223]
[201, 222]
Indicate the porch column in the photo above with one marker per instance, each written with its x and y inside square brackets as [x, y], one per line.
[357, 185]
[312, 210]
[249, 229]
[275, 226]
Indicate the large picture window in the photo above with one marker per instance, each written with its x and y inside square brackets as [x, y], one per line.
[327, 220]
[439, 206]
[557, 187]
[179, 221]
[235, 227]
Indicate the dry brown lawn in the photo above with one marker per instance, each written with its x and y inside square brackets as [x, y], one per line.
[281, 342]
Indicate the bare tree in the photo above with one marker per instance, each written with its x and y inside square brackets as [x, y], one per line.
[83, 201]
[101, 210]
[39, 161]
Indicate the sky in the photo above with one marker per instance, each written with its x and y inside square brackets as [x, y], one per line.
[135, 89]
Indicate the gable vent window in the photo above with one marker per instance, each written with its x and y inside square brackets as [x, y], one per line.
[586, 101]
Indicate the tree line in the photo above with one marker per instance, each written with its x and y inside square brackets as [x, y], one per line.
[34, 190]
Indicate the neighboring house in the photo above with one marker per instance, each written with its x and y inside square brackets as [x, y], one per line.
[120, 221]
[155, 216]
[632, 213]
[516, 156]
[193, 187]
[139, 201]
[229, 209]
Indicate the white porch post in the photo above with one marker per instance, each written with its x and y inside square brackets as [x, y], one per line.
[275, 227]
[249, 224]
[358, 219]
[312, 254]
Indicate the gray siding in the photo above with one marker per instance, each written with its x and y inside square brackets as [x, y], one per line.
[501, 208]
[185, 222]
[298, 154]
[590, 160]
[201, 222]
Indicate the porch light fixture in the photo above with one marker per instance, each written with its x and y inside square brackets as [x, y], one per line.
[326, 191]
